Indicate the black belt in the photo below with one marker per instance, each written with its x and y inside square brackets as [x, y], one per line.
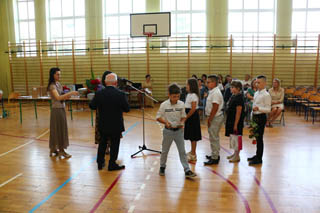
[173, 129]
[259, 115]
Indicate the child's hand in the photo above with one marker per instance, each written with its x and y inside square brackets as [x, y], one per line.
[167, 124]
[235, 129]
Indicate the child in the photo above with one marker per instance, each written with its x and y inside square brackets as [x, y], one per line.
[171, 113]
[261, 106]
[235, 117]
[192, 129]
[214, 112]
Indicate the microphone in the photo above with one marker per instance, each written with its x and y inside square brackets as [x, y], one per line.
[125, 80]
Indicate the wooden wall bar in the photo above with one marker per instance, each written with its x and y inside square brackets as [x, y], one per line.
[167, 60]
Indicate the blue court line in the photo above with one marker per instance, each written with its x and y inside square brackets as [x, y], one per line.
[74, 175]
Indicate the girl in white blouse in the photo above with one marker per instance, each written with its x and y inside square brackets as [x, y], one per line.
[192, 130]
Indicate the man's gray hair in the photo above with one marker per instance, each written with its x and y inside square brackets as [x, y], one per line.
[112, 77]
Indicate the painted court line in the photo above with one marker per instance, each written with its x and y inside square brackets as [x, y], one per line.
[131, 209]
[75, 175]
[18, 147]
[272, 206]
[11, 179]
[142, 186]
[96, 206]
[43, 134]
[243, 199]
[14, 149]
[106, 193]
[138, 196]
[61, 186]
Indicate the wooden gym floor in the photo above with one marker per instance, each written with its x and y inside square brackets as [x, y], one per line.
[288, 180]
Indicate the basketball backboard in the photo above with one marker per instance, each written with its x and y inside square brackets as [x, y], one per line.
[158, 24]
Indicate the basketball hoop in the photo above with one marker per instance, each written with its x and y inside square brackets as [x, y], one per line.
[149, 34]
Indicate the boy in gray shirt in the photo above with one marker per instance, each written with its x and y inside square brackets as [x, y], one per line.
[172, 114]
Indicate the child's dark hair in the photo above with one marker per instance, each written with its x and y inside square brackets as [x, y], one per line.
[214, 78]
[148, 76]
[236, 84]
[262, 77]
[204, 76]
[194, 88]
[174, 89]
[51, 80]
[194, 76]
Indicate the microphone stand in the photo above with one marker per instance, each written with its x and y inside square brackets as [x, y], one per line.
[143, 147]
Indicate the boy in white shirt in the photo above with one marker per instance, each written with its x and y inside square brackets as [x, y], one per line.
[214, 112]
[261, 106]
[172, 114]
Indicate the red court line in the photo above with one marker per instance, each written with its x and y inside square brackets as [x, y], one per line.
[106, 193]
[243, 199]
[34, 138]
[24, 137]
[272, 206]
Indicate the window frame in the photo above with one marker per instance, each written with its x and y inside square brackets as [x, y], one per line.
[200, 37]
[257, 34]
[65, 40]
[305, 34]
[124, 43]
[30, 43]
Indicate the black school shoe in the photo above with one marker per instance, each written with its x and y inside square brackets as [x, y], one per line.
[212, 161]
[116, 167]
[252, 158]
[255, 162]
[190, 174]
[101, 165]
[162, 171]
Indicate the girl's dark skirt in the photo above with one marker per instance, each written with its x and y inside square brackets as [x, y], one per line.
[192, 129]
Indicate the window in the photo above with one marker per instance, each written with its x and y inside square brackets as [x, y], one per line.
[248, 18]
[305, 23]
[188, 17]
[66, 22]
[117, 25]
[25, 27]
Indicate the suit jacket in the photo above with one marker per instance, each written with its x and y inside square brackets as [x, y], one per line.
[111, 103]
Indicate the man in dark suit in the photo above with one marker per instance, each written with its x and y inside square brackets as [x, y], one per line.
[111, 103]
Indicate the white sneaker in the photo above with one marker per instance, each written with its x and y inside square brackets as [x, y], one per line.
[191, 157]
[235, 159]
[230, 156]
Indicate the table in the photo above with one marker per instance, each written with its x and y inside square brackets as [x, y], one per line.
[20, 99]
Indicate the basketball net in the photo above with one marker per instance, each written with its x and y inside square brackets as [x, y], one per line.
[148, 34]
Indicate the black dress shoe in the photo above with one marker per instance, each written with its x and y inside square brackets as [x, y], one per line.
[255, 162]
[116, 167]
[208, 157]
[252, 158]
[101, 165]
[212, 161]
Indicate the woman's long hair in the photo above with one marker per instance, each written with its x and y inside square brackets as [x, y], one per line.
[194, 88]
[51, 80]
[279, 83]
